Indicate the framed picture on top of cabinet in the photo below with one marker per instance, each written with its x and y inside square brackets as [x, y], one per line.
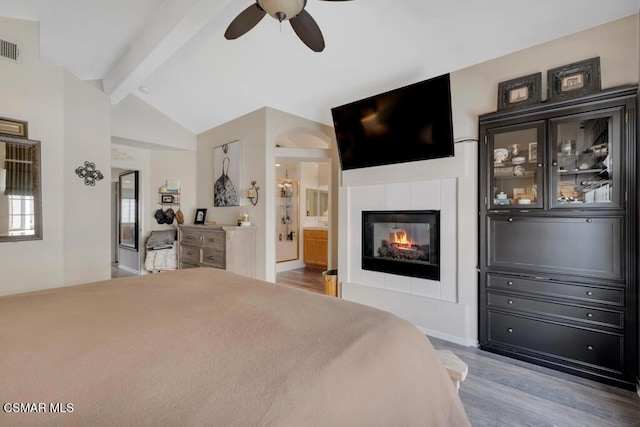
[520, 92]
[574, 80]
[201, 214]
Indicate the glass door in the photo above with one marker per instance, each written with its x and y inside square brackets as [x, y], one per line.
[515, 177]
[584, 160]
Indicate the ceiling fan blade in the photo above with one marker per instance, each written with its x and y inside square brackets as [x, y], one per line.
[308, 31]
[246, 20]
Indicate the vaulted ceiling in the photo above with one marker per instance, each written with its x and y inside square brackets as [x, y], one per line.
[176, 48]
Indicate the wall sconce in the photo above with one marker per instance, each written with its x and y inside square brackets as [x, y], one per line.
[252, 193]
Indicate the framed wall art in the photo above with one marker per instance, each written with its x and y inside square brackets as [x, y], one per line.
[226, 169]
[574, 80]
[520, 92]
[11, 127]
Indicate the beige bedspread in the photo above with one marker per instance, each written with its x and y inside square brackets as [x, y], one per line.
[207, 347]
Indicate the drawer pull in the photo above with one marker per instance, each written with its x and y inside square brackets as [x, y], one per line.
[589, 293]
[212, 240]
[510, 301]
[510, 219]
[189, 253]
[510, 330]
[554, 163]
[589, 220]
[189, 237]
[589, 315]
[590, 347]
[212, 258]
[510, 283]
[540, 165]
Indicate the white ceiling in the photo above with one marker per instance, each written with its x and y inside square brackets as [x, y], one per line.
[176, 48]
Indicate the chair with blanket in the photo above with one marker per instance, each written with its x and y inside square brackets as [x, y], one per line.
[161, 251]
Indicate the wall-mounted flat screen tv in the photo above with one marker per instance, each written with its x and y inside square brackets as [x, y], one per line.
[403, 125]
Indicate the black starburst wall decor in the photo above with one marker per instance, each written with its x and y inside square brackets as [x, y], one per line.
[89, 173]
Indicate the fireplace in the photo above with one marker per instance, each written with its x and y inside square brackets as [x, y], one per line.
[406, 243]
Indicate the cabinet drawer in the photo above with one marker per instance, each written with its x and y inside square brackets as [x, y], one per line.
[184, 265]
[578, 246]
[315, 234]
[190, 254]
[190, 237]
[213, 257]
[213, 239]
[556, 289]
[586, 314]
[583, 346]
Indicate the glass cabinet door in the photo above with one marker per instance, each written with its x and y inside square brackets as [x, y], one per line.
[515, 174]
[584, 160]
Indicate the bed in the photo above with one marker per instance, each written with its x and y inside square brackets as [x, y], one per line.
[208, 347]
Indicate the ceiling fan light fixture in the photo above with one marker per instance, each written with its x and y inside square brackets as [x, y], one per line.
[282, 9]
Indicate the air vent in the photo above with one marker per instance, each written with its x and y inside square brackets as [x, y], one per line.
[9, 51]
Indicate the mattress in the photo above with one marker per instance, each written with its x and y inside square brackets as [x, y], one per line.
[208, 347]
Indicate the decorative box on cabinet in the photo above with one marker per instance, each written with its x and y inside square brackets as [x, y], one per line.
[316, 248]
[220, 246]
[557, 228]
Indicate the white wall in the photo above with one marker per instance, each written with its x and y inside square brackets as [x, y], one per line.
[160, 149]
[249, 130]
[278, 123]
[136, 120]
[87, 209]
[474, 92]
[258, 132]
[35, 91]
[173, 165]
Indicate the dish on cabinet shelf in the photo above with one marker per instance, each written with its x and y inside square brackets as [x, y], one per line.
[500, 155]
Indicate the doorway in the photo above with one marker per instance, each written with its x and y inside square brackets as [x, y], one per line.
[302, 193]
[125, 256]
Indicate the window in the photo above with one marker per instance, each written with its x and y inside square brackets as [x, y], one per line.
[21, 215]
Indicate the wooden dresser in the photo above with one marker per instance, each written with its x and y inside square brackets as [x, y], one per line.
[316, 248]
[220, 246]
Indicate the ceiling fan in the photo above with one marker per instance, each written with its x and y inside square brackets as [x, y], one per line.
[293, 10]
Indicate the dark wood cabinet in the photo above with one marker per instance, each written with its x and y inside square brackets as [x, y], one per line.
[558, 249]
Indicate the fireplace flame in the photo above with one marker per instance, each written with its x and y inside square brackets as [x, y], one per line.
[401, 241]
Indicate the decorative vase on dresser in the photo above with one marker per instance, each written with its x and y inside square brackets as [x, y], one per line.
[228, 247]
[557, 229]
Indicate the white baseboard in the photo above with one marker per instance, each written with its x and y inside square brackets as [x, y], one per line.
[130, 270]
[451, 338]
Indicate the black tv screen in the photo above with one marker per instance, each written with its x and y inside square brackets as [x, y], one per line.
[403, 125]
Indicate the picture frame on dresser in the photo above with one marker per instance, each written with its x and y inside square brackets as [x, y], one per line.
[574, 80]
[520, 92]
[201, 215]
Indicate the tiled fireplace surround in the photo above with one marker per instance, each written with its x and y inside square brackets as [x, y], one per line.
[428, 195]
[444, 308]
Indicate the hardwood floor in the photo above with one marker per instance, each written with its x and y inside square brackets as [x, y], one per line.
[500, 391]
[309, 279]
[118, 272]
